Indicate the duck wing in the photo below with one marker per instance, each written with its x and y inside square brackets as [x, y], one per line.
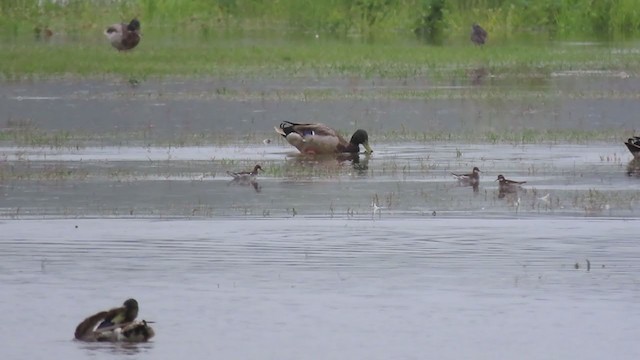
[317, 129]
[461, 176]
[513, 182]
[115, 29]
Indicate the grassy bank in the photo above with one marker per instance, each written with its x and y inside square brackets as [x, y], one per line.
[157, 56]
[368, 38]
[437, 21]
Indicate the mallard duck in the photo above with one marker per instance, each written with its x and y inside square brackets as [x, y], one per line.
[633, 144]
[124, 36]
[321, 139]
[245, 176]
[107, 320]
[478, 34]
[472, 179]
[508, 186]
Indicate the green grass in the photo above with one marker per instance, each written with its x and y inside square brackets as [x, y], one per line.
[157, 57]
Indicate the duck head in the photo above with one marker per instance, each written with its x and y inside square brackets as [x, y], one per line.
[476, 170]
[361, 137]
[131, 309]
[500, 178]
[134, 25]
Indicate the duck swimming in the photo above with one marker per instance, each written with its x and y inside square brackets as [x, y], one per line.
[321, 139]
[124, 36]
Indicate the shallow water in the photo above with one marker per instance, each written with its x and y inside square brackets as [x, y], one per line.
[405, 180]
[379, 257]
[331, 289]
[599, 100]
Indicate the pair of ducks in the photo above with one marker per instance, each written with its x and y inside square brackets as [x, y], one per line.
[473, 179]
[115, 325]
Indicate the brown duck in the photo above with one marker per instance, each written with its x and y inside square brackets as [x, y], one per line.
[124, 36]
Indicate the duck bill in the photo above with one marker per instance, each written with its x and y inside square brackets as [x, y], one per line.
[367, 148]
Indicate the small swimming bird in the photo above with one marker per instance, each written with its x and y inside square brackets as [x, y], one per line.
[633, 144]
[124, 36]
[478, 34]
[245, 176]
[472, 179]
[508, 186]
[321, 139]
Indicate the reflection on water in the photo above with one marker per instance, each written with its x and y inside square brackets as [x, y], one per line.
[101, 349]
[246, 182]
[346, 288]
[633, 168]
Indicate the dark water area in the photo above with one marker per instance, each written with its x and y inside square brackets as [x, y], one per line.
[382, 256]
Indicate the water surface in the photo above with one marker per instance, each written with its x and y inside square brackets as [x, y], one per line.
[292, 288]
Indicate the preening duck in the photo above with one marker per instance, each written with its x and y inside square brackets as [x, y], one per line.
[117, 324]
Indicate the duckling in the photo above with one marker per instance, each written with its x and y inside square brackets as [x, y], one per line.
[321, 139]
[124, 36]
